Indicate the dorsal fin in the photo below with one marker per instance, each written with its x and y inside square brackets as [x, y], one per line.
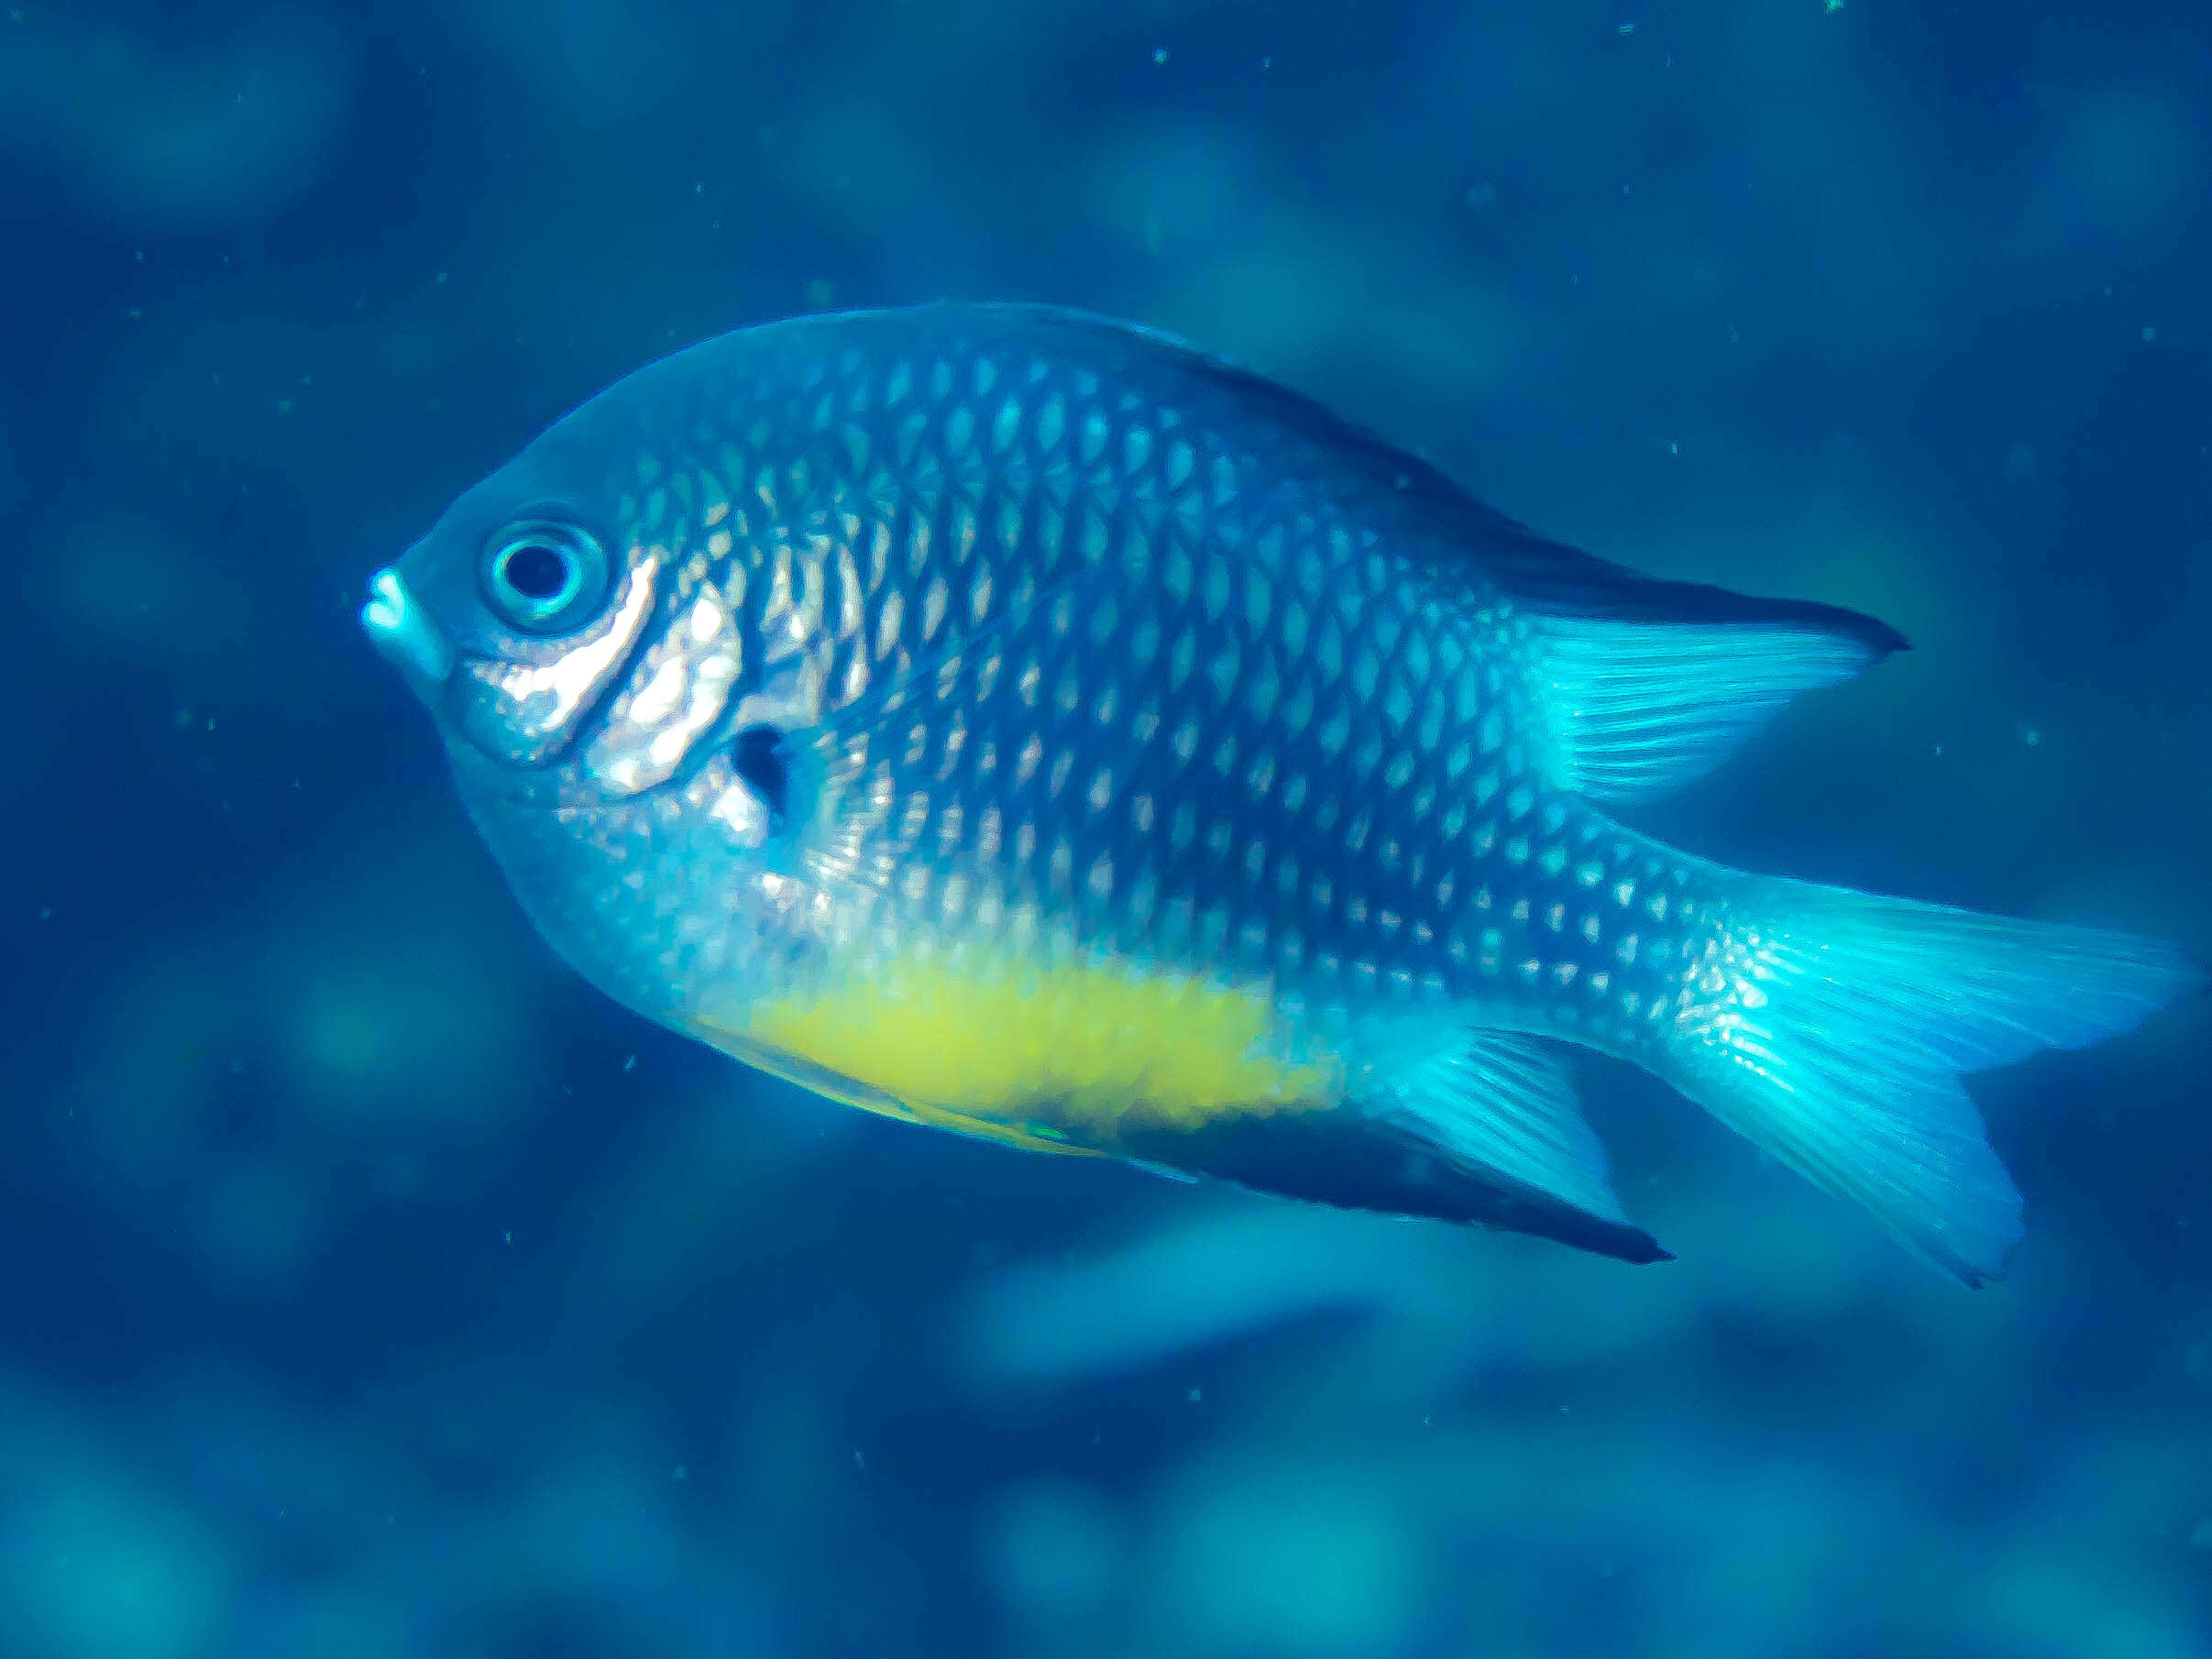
[1637, 707]
[1649, 683]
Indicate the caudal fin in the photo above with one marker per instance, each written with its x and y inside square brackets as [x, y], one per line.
[1831, 1028]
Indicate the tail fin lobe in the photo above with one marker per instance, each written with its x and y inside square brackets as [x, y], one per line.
[1831, 1028]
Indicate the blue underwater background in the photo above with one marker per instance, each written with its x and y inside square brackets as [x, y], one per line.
[374, 1288]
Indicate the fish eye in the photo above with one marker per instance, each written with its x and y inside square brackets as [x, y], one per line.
[758, 757]
[543, 577]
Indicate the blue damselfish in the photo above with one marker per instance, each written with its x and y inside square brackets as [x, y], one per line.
[1011, 720]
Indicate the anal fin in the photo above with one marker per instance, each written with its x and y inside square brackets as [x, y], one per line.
[1486, 1132]
[1504, 1102]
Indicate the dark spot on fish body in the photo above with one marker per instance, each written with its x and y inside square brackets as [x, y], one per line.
[757, 754]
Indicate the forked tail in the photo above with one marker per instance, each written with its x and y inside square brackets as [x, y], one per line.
[1832, 1028]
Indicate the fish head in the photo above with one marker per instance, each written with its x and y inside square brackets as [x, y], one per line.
[578, 626]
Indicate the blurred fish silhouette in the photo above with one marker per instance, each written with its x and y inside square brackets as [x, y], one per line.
[1010, 720]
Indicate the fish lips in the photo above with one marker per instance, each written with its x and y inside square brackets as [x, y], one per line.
[404, 635]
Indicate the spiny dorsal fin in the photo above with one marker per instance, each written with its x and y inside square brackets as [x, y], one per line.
[1651, 683]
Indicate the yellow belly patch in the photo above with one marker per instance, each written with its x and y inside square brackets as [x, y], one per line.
[1082, 1050]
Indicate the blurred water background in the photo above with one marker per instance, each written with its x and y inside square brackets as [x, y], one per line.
[374, 1289]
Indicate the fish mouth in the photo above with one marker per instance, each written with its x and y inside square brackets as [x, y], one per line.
[404, 634]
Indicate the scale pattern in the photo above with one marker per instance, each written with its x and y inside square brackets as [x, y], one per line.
[1095, 676]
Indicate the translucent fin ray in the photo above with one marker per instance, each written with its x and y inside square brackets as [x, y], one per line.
[1834, 1027]
[1640, 706]
[1504, 1102]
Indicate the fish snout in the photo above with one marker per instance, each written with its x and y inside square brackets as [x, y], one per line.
[404, 634]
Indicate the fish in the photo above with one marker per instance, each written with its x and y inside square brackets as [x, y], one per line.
[1015, 721]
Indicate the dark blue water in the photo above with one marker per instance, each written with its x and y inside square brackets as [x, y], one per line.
[374, 1289]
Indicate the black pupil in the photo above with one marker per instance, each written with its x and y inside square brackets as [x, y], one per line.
[536, 571]
[758, 755]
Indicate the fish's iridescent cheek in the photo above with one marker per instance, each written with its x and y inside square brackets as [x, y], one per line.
[526, 713]
[679, 687]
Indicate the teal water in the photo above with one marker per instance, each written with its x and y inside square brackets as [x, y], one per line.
[377, 1288]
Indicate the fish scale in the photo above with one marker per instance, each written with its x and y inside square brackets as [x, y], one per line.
[1213, 897]
[1030, 726]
